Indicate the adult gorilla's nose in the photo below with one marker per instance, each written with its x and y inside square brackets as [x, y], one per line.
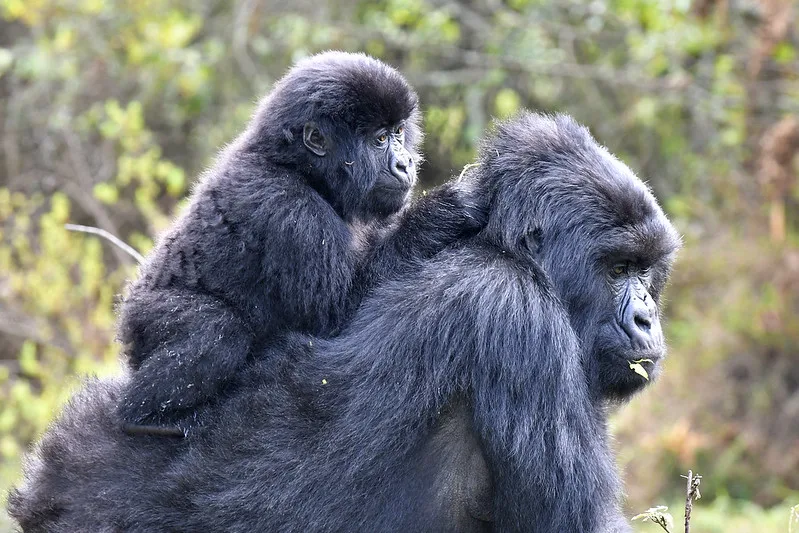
[641, 324]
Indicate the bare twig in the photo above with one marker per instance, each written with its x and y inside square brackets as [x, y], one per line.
[106, 235]
[241, 36]
[153, 431]
[85, 200]
[691, 494]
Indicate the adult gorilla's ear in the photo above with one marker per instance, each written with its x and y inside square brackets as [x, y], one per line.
[314, 139]
[532, 241]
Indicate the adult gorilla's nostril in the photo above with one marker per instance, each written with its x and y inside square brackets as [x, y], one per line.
[639, 320]
[643, 321]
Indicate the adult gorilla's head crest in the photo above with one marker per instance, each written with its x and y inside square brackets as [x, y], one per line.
[598, 234]
[350, 124]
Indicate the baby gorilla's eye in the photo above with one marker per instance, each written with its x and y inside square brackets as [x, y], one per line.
[382, 138]
[400, 130]
[619, 269]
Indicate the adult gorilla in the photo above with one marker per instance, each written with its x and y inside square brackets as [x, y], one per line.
[468, 396]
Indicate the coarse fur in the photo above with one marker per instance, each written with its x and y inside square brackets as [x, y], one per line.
[467, 395]
[296, 214]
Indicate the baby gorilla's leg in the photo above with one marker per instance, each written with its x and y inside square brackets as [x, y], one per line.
[194, 344]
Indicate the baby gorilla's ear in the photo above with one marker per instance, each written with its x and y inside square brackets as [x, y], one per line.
[314, 139]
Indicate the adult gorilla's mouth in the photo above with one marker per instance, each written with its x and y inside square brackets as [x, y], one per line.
[626, 355]
[643, 365]
[651, 357]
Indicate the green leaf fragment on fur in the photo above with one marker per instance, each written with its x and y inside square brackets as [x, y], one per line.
[640, 370]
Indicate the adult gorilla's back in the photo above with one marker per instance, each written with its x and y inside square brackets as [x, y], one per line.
[457, 400]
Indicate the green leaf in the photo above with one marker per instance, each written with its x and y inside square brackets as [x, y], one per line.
[106, 193]
[6, 59]
[28, 363]
[783, 54]
[646, 110]
[636, 367]
[507, 103]
[658, 515]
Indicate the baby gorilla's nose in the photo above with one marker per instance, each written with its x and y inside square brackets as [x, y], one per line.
[400, 168]
[402, 165]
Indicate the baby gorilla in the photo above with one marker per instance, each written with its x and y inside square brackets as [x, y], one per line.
[287, 232]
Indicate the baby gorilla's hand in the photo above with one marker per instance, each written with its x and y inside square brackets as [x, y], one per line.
[473, 202]
[440, 219]
[460, 209]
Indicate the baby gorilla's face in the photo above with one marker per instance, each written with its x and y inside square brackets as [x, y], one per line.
[367, 173]
[394, 169]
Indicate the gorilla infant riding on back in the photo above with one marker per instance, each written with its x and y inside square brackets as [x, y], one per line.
[286, 232]
[468, 393]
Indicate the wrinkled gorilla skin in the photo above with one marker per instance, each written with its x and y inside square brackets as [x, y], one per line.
[468, 395]
[285, 233]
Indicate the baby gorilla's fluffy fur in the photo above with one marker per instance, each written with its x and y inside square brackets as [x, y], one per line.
[287, 232]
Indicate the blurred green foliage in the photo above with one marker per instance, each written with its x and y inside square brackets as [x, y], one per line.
[108, 109]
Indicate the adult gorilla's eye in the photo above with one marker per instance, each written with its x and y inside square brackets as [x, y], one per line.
[619, 269]
[382, 138]
[400, 130]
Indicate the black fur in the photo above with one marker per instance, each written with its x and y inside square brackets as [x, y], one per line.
[467, 395]
[275, 234]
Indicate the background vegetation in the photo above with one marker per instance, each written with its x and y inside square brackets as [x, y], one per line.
[110, 108]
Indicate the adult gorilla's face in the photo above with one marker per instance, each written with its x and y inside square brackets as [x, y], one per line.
[598, 234]
[609, 266]
[628, 346]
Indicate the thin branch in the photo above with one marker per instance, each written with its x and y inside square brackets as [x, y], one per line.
[81, 170]
[466, 169]
[691, 494]
[92, 207]
[17, 324]
[109, 236]
[241, 36]
[153, 431]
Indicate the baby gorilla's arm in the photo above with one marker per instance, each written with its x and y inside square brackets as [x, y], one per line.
[447, 214]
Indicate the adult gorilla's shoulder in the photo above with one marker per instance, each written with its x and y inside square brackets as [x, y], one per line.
[467, 395]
